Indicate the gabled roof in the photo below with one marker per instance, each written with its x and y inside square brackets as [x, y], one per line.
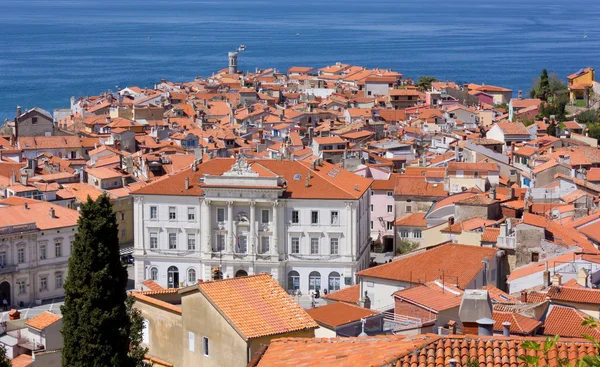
[457, 263]
[349, 294]
[340, 313]
[519, 324]
[412, 220]
[43, 320]
[256, 306]
[566, 322]
[418, 186]
[432, 296]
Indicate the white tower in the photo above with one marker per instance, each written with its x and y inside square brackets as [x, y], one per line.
[233, 62]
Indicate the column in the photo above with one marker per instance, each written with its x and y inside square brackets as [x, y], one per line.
[230, 241]
[251, 242]
[274, 250]
[348, 233]
[207, 225]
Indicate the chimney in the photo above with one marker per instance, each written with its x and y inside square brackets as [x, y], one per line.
[187, 183]
[524, 296]
[355, 187]
[511, 193]
[17, 124]
[23, 179]
[485, 327]
[450, 221]
[14, 315]
[452, 362]
[506, 328]
[452, 327]
[26, 206]
[475, 305]
[520, 94]
[546, 277]
[557, 280]
[52, 214]
[582, 277]
[107, 120]
[493, 193]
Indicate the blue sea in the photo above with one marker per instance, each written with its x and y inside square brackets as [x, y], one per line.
[53, 49]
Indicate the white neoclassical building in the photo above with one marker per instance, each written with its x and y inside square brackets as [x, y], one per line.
[307, 224]
[36, 238]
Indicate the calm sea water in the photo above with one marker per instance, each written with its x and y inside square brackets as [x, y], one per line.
[53, 49]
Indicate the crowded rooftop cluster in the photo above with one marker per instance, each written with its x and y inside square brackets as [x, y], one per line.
[323, 216]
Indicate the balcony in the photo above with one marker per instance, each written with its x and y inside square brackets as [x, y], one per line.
[19, 228]
[7, 269]
[507, 242]
[395, 322]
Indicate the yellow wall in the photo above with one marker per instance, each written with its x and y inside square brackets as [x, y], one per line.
[584, 78]
[165, 333]
[433, 236]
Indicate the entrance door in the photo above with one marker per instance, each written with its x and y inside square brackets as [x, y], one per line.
[5, 292]
[173, 274]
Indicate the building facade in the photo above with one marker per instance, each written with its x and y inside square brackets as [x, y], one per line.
[35, 244]
[299, 222]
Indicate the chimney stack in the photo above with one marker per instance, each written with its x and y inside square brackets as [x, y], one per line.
[485, 327]
[52, 214]
[524, 296]
[520, 94]
[187, 183]
[511, 193]
[506, 328]
[493, 193]
[450, 221]
[546, 278]
[452, 362]
[14, 315]
[557, 280]
[26, 206]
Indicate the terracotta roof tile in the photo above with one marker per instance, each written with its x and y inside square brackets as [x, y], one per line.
[257, 306]
[490, 235]
[340, 313]
[432, 296]
[141, 296]
[458, 262]
[23, 360]
[417, 186]
[152, 285]
[513, 128]
[500, 297]
[412, 220]
[519, 324]
[349, 294]
[342, 352]
[43, 320]
[566, 322]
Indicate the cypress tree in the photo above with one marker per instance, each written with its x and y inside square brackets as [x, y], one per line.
[4, 361]
[96, 324]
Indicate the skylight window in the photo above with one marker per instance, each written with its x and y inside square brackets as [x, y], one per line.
[297, 176]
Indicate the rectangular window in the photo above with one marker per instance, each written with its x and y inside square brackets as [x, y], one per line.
[220, 242]
[172, 241]
[122, 216]
[58, 249]
[3, 258]
[372, 207]
[335, 217]
[43, 284]
[390, 193]
[43, 252]
[409, 209]
[535, 257]
[21, 286]
[371, 224]
[314, 217]
[21, 255]
[153, 212]
[264, 216]
[295, 245]
[205, 346]
[191, 341]
[335, 248]
[295, 217]
[59, 281]
[123, 233]
[314, 246]
[191, 214]
[220, 214]
[417, 233]
[264, 244]
[153, 240]
[389, 208]
[389, 226]
[404, 233]
[191, 242]
[172, 213]
[146, 332]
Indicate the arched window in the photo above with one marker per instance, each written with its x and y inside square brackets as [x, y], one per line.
[314, 281]
[192, 276]
[334, 281]
[293, 280]
[241, 273]
[173, 274]
[154, 273]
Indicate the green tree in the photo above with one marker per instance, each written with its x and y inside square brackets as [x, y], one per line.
[588, 117]
[555, 106]
[406, 246]
[424, 82]
[96, 324]
[594, 130]
[552, 130]
[137, 351]
[4, 361]
[546, 85]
